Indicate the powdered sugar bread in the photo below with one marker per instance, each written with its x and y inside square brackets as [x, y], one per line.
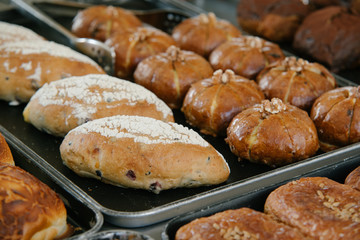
[142, 152]
[62, 105]
[27, 65]
[12, 32]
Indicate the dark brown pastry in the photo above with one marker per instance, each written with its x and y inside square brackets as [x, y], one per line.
[210, 104]
[319, 207]
[246, 55]
[324, 3]
[243, 223]
[353, 179]
[272, 133]
[5, 152]
[330, 36]
[133, 46]
[101, 21]
[355, 6]
[276, 20]
[170, 74]
[336, 115]
[296, 81]
[29, 208]
[203, 33]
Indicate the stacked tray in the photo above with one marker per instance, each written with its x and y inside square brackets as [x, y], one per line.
[138, 208]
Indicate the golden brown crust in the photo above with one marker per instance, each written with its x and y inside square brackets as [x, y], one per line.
[5, 152]
[276, 20]
[211, 103]
[170, 74]
[132, 46]
[319, 207]
[336, 115]
[272, 133]
[101, 21]
[246, 55]
[30, 209]
[203, 33]
[295, 81]
[353, 179]
[144, 153]
[26, 66]
[243, 223]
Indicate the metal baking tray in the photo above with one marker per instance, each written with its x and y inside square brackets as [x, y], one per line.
[84, 217]
[138, 208]
[256, 199]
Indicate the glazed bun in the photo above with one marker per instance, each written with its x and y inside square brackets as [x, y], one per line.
[5, 152]
[170, 74]
[272, 133]
[353, 179]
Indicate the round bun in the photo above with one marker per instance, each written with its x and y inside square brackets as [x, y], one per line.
[330, 36]
[295, 81]
[246, 55]
[5, 152]
[203, 33]
[336, 115]
[275, 20]
[353, 179]
[211, 103]
[29, 208]
[272, 133]
[170, 74]
[101, 21]
[13, 33]
[133, 46]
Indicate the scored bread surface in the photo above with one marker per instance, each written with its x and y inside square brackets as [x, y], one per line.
[142, 152]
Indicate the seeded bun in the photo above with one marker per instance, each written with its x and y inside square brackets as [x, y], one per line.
[141, 152]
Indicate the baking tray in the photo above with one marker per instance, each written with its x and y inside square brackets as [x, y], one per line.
[138, 208]
[84, 217]
[256, 199]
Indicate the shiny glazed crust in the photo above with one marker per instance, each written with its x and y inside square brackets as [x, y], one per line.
[203, 33]
[353, 179]
[336, 115]
[5, 152]
[319, 207]
[243, 223]
[210, 104]
[295, 81]
[141, 152]
[27, 65]
[30, 209]
[133, 46]
[65, 104]
[272, 133]
[170, 74]
[246, 55]
[101, 21]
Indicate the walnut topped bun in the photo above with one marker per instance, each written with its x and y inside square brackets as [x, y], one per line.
[336, 115]
[101, 21]
[272, 133]
[203, 33]
[5, 152]
[13, 33]
[29, 208]
[132, 46]
[170, 74]
[211, 103]
[243, 223]
[246, 55]
[295, 81]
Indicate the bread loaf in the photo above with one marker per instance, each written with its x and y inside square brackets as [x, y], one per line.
[319, 207]
[27, 65]
[29, 208]
[62, 105]
[14, 33]
[142, 152]
[243, 223]
[353, 179]
[5, 152]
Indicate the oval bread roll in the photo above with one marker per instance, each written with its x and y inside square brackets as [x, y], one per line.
[29, 208]
[142, 152]
[5, 152]
[12, 32]
[62, 105]
[27, 65]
